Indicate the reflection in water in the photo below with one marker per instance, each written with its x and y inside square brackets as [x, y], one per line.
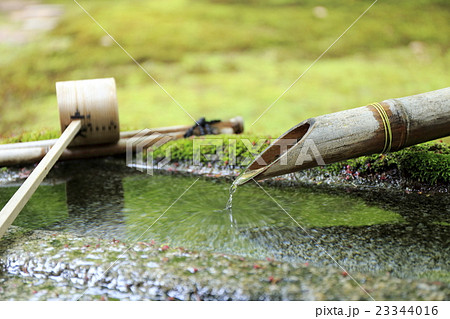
[363, 230]
[198, 219]
[46, 207]
[95, 200]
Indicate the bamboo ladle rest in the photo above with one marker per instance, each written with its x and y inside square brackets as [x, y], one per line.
[88, 114]
[32, 152]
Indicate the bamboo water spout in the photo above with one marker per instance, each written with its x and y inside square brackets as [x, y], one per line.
[376, 128]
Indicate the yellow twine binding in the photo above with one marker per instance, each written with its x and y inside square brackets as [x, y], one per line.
[387, 127]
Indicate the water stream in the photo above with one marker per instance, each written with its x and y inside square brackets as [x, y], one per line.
[240, 180]
[365, 230]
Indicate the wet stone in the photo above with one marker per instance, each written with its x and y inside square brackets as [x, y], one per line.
[28, 273]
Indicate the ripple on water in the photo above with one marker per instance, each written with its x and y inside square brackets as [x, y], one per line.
[359, 228]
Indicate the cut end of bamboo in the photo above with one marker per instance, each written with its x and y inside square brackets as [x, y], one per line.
[276, 153]
[282, 145]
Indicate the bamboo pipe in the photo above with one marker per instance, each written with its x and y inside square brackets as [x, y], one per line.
[46, 144]
[32, 152]
[232, 126]
[123, 135]
[376, 128]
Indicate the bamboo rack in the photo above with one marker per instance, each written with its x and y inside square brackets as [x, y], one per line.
[32, 152]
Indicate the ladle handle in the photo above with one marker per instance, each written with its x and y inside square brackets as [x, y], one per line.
[10, 211]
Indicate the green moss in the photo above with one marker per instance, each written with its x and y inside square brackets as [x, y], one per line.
[12, 235]
[75, 254]
[221, 149]
[56, 243]
[428, 162]
[178, 259]
[437, 275]
[29, 136]
[113, 256]
[442, 223]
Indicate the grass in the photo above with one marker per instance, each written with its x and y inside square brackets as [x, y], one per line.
[222, 58]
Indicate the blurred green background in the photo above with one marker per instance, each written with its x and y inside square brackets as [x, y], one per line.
[222, 58]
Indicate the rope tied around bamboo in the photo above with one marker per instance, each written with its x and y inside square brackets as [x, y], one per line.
[387, 127]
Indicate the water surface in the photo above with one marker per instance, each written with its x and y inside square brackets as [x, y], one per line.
[365, 230]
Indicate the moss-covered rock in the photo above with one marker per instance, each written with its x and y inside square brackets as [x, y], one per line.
[223, 150]
[426, 163]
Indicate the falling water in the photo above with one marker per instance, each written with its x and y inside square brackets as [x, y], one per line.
[232, 190]
[241, 179]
